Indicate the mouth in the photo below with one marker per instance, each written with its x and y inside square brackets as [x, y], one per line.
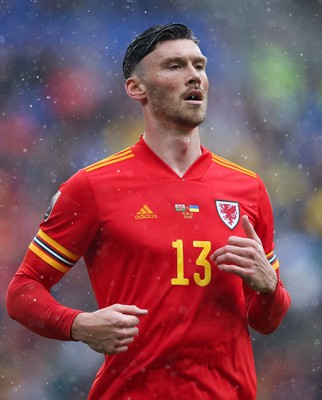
[194, 97]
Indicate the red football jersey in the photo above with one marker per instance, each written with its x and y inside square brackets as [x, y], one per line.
[146, 235]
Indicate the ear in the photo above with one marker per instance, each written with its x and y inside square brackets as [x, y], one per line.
[135, 88]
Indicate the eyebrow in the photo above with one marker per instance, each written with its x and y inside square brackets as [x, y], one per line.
[197, 59]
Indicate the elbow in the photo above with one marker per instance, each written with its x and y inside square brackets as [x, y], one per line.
[265, 329]
[16, 298]
[267, 313]
[267, 325]
[11, 309]
[11, 302]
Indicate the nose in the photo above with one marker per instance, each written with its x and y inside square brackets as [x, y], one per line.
[193, 76]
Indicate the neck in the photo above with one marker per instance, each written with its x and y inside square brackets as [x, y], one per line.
[179, 149]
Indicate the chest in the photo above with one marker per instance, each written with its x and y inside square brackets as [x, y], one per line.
[160, 213]
[163, 232]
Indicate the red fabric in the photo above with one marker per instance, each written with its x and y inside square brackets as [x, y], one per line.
[30, 303]
[130, 217]
[266, 311]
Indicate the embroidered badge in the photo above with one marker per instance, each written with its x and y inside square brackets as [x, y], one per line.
[228, 212]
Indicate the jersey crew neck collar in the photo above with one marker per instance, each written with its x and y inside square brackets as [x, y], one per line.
[162, 169]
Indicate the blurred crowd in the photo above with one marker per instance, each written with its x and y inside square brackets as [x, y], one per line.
[63, 106]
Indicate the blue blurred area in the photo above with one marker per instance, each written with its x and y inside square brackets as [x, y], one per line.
[63, 106]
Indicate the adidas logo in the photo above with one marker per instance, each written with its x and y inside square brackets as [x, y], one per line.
[145, 213]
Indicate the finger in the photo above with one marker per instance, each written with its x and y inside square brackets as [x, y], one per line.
[234, 269]
[120, 342]
[237, 246]
[249, 229]
[220, 254]
[127, 333]
[124, 342]
[130, 309]
[216, 254]
[118, 350]
[124, 338]
[232, 259]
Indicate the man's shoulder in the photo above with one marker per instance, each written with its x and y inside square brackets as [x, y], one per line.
[93, 174]
[230, 167]
[117, 158]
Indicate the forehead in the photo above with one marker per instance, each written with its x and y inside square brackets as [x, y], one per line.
[178, 48]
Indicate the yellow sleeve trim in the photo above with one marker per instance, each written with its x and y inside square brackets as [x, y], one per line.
[275, 264]
[47, 259]
[57, 246]
[273, 260]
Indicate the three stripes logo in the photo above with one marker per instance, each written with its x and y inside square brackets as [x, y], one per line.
[145, 213]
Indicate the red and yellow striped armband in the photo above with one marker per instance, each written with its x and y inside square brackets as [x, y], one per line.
[52, 252]
[273, 260]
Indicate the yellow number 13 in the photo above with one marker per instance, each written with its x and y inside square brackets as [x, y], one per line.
[201, 261]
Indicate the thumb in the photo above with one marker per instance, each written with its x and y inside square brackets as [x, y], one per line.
[249, 229]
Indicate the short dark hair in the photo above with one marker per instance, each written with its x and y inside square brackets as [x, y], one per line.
[146, 42]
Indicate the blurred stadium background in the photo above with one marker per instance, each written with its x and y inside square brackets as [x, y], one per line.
[63, 106]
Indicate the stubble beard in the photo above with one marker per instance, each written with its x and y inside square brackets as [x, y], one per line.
[188, 117]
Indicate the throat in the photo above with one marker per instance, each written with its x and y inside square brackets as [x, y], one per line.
[180, 162]
[177, 151]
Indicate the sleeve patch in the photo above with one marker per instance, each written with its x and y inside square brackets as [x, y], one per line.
[51, 205]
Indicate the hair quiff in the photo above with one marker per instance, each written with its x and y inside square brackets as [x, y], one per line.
[146, 42]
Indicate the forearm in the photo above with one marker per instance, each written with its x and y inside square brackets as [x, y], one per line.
[31, 304]
[266, 311]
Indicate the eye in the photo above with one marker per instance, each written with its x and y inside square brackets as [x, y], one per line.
[200, 67]
[174, 66]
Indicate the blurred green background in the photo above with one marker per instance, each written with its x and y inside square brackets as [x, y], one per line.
[63, 106]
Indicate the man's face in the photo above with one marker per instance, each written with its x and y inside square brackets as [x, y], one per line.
[176, 83]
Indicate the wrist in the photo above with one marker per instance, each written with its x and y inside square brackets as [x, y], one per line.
[76, 328]
[271, 290]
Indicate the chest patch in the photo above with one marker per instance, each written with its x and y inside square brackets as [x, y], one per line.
[228, 212]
